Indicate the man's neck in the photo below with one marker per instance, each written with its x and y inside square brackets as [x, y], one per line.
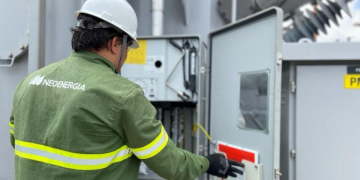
[105, 54]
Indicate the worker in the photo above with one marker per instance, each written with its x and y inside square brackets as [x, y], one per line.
[79, 119]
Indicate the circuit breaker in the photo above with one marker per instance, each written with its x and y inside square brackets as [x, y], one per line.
[166, 68]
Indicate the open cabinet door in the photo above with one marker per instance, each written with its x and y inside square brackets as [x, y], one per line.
[245, 90]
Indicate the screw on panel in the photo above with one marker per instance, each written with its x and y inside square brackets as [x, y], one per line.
[22, 47]
[11, 55]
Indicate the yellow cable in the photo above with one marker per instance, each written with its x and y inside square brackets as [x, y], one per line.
[203, 130]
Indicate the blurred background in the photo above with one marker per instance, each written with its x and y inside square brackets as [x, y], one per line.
[317, 46]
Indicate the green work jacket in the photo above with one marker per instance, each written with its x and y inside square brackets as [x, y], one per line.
[77, 119]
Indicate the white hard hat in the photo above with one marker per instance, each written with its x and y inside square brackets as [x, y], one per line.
[118, 13]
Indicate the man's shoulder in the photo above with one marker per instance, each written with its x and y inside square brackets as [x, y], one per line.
[120, 83]
[39, 74]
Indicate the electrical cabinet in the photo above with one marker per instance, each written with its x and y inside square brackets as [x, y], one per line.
[289, 108]
[319, 116]
[233, 91]
[165, 67]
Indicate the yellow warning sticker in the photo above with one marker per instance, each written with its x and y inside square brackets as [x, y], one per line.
[352, 81]
[137, 56]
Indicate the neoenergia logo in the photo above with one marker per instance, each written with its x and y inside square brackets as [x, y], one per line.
[40, 80]
[37, 80]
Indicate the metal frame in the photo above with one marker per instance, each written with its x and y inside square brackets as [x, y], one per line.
[267, 71]
[277, 97]
[321, 51]
[37, 37]
[288, 121]
[15, 52]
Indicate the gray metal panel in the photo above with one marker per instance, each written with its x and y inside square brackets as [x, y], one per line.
[321, 51]
[14, 36]
[60, 17]
[252, 44]
[143, 12]
[9, 79]
[160, 46]
[327, 131]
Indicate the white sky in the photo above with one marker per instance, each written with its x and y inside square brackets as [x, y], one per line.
[346, 28]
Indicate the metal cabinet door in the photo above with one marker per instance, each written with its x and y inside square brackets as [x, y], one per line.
[327, 124]
[245, 57]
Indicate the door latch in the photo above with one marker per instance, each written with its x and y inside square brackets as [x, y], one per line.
[279, 59]
[277, 174]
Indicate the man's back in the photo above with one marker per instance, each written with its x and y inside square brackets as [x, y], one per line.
[63, 122]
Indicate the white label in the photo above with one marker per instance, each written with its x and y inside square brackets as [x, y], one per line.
[155, 64]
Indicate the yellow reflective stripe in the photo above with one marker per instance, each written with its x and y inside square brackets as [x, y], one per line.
[67, 159]
[67, 153]
[11, 128]
[152, 148]
[69, 165]
[157, 139]
[156, 151]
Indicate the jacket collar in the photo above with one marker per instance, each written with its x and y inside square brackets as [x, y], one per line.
[94, 58]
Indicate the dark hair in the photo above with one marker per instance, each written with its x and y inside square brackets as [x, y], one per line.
[92, 39]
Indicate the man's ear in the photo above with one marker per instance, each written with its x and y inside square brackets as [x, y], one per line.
[114, 45]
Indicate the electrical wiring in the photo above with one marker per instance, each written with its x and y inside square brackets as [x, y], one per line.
[198, 125]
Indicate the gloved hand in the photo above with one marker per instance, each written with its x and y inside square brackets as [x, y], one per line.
[222, 167]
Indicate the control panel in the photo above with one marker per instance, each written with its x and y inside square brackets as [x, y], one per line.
[166, 68]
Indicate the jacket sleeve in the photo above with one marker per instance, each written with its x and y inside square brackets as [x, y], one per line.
[147, 139]
[19, 89]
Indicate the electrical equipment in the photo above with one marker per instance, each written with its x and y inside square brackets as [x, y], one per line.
[178, 123]
[309, 27]
[165, 67]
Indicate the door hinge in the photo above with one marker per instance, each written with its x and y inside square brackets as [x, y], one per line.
[277, 174]
[293, 87]
[293, 153]
[202, 70]
[279, 59]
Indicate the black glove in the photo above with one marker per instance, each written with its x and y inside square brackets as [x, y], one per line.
[222, 167]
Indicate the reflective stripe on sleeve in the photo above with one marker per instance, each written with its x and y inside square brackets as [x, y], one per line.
[70, 160]
[11, 128]
[152, 148]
